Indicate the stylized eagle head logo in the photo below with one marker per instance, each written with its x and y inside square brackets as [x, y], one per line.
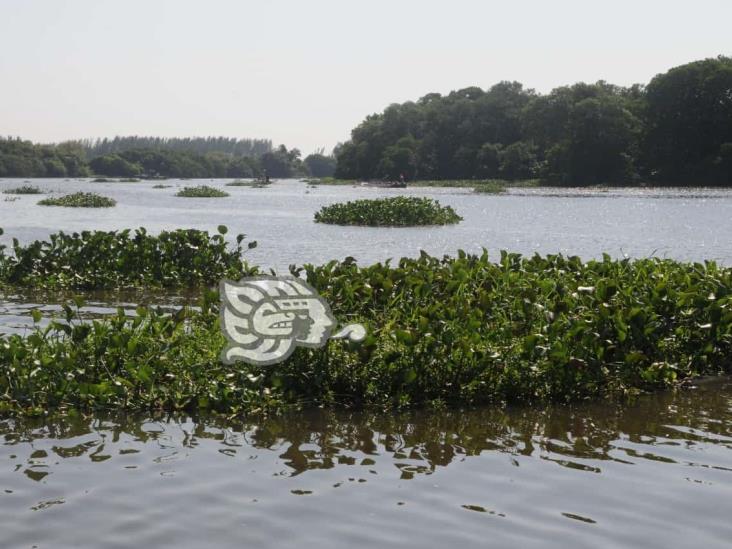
[264, 318]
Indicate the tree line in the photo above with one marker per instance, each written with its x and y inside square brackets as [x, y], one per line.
[20, 158]
[677, 130]
[202, 145]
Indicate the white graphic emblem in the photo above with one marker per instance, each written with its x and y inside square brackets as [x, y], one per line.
[265, 317]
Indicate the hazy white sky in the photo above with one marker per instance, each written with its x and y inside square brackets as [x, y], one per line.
[304, 72]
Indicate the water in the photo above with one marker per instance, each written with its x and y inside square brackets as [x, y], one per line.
[653, 473]
[686, 224]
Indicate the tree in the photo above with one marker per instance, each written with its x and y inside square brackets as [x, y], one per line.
[320, 165]
[688, 119]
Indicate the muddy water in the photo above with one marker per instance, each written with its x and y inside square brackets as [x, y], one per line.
[656, 472]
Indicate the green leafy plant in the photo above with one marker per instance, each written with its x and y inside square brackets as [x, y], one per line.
[398, 211]
[79, 200]
[113, 259]
[201, 191]
[457, 331]
[24, 189]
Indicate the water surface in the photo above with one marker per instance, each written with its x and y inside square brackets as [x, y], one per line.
[653, 473]
[687, 224]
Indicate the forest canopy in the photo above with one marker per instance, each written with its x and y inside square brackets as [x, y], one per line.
[677, 130]
[160, 158]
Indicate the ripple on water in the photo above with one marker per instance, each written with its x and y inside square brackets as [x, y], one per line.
[654, 473]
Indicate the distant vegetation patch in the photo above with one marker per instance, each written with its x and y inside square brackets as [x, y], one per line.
[159, 186]
[113, 259]
[254, 183]
[398, 211]
[24, 189]
[201, 191]
[328, 181]
[490, 187]
[80, 200]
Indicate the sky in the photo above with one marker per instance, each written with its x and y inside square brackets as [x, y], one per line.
[305, 72]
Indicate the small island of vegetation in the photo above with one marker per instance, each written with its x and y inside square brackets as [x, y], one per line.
[201, 191]
[24, 189]
[397, 211]
[79, 200]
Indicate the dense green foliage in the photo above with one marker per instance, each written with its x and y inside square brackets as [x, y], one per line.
[678, 130]
[320, 165]
[24, 159]
[201, 191]
[114, 259]
[489, 187]
[397, 211]
[79, 200]
[460, 331]
[201, 145]
[24, 189]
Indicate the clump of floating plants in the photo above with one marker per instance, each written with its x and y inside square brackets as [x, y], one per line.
[456, 331]
[489, 187]
[115, 259]
[328, 181]
[79, 200]
[398, 211]
[121, 180]
[24, 189]
[159, 186]
[201, 191]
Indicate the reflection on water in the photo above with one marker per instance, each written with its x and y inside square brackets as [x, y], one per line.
[656, 472]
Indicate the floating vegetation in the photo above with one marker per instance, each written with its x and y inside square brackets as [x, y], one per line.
[114, 259]
[253, 183]
[452, 331]
[79, 200]
[496, 183]
[490, 187]
[24, 189]
[121, 180]
[201, 191]
[160, 186]
[328, 181]
[398, 211]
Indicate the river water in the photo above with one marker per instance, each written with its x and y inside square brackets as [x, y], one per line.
[655, 472]
[688, 224]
